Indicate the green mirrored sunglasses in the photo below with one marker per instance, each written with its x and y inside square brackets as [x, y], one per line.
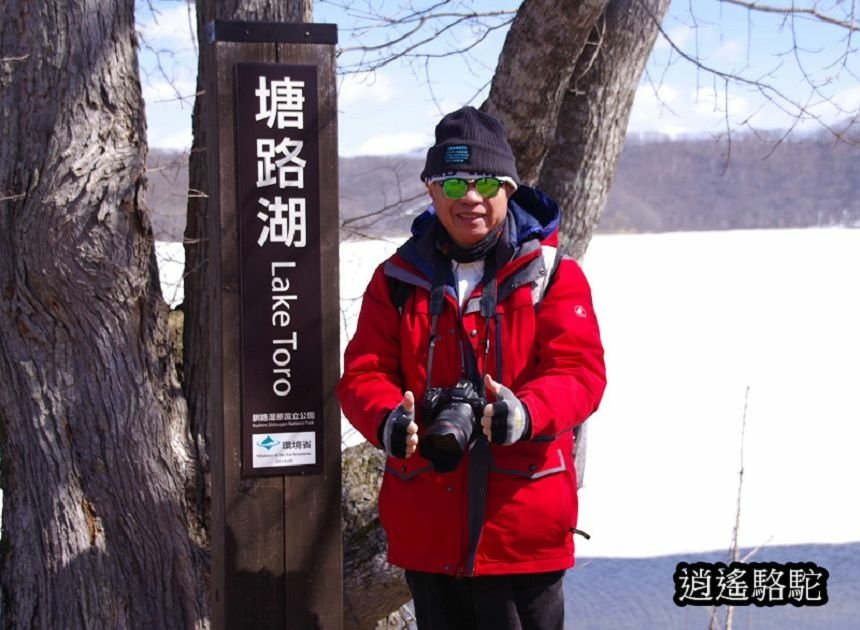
[456, 187]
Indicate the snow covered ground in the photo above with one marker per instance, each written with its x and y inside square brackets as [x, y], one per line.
[690, 321]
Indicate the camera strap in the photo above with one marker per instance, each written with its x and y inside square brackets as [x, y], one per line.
[437, 299]
[489, 311]
[479, 455]
[437, 304]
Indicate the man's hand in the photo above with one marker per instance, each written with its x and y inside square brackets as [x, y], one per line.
[506, 420]
[400, 434]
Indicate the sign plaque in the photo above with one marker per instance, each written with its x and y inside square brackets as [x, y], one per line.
[278, 207]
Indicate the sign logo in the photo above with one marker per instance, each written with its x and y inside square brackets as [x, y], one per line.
[579, 311]
[280, 450]
[268, 443]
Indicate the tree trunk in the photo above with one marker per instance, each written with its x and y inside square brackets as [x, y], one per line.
[583, 158]
[565, 96]
[535, 66]
[97, 532]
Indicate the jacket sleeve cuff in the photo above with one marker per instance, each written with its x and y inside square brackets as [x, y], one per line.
[380, 431]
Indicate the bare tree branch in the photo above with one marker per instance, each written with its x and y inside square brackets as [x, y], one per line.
[382, 211]
[850, 23]
[796, 109]
[165, 58]
[410, 50]
[416, 32]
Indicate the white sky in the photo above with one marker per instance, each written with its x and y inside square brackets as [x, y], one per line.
[394, 111]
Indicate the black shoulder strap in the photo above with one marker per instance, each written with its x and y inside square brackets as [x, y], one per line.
[399, 291]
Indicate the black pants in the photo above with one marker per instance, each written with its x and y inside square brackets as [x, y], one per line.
[533, 601]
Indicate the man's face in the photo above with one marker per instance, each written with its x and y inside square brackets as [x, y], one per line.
[470, 218]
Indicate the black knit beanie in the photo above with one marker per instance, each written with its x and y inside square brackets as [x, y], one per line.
[471, 141]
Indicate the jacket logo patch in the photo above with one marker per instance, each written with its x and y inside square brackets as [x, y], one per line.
[579, 311]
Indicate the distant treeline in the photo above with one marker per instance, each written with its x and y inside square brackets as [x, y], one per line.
[750, 183]
[661, 185]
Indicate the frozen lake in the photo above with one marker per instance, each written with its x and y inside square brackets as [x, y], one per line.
[690, 321]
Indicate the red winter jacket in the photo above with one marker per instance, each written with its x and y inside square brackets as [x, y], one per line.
[511, 510]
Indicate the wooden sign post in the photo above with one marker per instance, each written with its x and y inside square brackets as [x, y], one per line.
[273, 273]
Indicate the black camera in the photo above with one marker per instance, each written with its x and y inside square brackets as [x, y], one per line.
[452, 416]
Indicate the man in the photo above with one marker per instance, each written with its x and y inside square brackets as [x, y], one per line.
[470, 366]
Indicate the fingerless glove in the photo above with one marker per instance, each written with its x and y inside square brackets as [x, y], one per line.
[393, 431]
[511, 421]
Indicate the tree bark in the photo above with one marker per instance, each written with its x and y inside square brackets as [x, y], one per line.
[592, 123]
[565, 96]
[535, 66]
[97, 531]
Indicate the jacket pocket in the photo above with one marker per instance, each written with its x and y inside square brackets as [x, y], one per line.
[406, 469]
[529, 460]
[531, 505]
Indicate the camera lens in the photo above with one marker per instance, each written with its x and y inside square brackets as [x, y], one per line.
[444, 445]
[448, 437]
